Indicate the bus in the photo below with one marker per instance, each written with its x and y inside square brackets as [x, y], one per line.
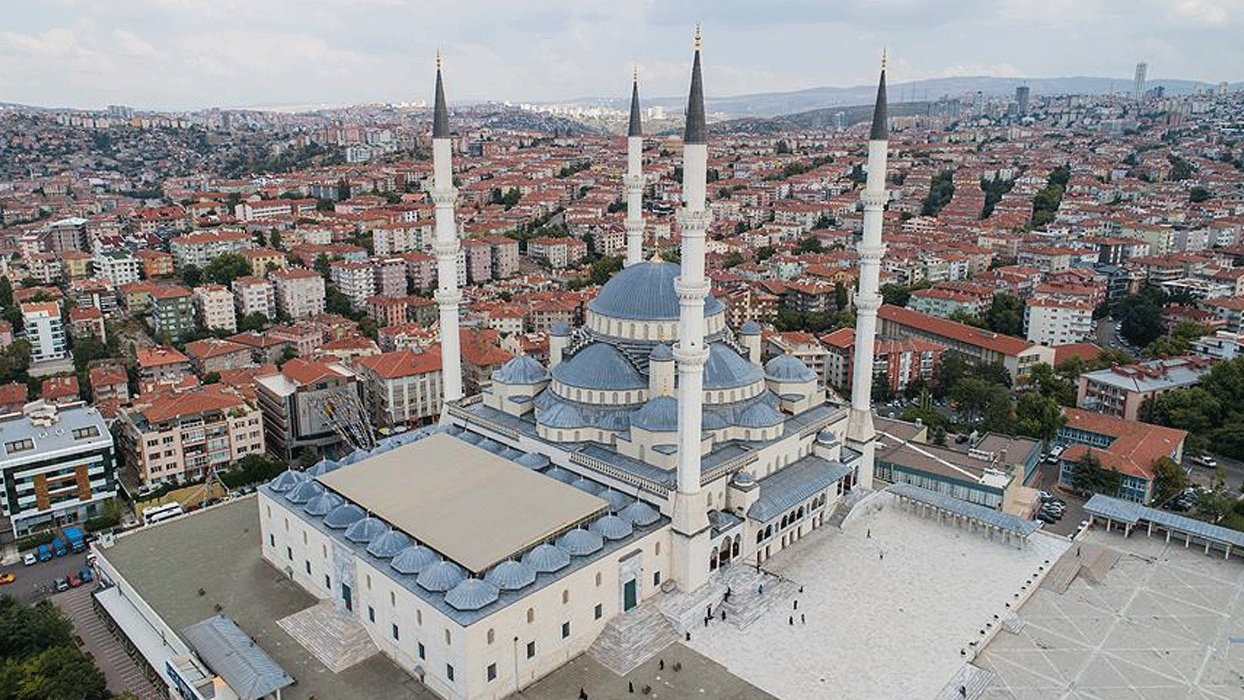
[156, 514]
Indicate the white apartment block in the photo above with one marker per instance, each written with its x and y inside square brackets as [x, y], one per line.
[199, 248]
[213, 305]
[355, 280]
[415, 236]
[44, 331]
[254, 295]
[119, 267]
[1053, 322]
[299, 292]
[401, 387]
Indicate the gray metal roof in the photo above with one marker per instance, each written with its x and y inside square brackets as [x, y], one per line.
[759, 415]
[788, 368]
[56, 437]
[511, 575]
[366, 530]
[611, 527]
[343, 516]
[880, 130]
[749, 328]
[441, 576]
[521, 370]
[472, 594]
[533, 460]
[287, 480]
[786, 488]
[661, 353]
[639, 513]
[414, 559]
[323, 505]
[388, 545]
[989, 516]
[440, 111]
[635, 128]
[304, 492]
[546, 558]
[600, 366]
[645, 291]
[580, 543]
[659, 415]
[695, 131]
[726, 369]
[231, 654]
[1132, 513]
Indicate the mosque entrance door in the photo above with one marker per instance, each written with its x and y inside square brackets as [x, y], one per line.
[347, 597]
[628, 595]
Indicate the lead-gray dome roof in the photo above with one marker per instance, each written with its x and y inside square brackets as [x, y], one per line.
[645, 291]
[661, 353]
[639, 513]
[414, 559]
[521, 370]
[287, 480]
[750, 328]
[611, 527]
[511, 575]
[726, 369]
[545, 558]
[323, 504]
[580, 543]
[471, 594]
[388, 545]
[599, 366]
[659, 415]
[366, 530]
[788, 368]
[305, 492]
[441, 576]
[344, 516]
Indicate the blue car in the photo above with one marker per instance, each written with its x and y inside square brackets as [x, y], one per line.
[85, 575]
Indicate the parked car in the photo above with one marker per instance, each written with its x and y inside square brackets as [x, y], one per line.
[61, 584]
[7, 577]
[29, 559]
[1206, 460]
[1046, 517]
[86, 575]
[74, 581]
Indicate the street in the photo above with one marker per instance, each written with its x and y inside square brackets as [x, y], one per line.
[35, 582]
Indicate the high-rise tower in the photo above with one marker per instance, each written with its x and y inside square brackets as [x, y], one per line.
[1138, 90]
[444, 194]
[690, 522]
[634, 181]
[860, 432]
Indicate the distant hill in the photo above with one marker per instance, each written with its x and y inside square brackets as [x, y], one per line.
[771, 104]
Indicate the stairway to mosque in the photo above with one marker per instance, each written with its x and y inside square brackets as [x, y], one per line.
[334, 637]
[631, 639]
[968, 682]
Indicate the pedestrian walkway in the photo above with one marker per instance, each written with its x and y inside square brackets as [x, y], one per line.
[107, 651]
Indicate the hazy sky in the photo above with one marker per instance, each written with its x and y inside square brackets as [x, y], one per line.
[194, 53]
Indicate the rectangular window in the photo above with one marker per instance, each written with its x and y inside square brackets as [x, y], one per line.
[421, 654]
[371, 614]
[327, 583]
[289, 552]
[598, 611]
[308, 563]
[271, 540]
[492, 672]
[19, 445]
[398, 636]
[89, 431]
[531, 649]
[656, 578]
[449, 671]
[565, 630]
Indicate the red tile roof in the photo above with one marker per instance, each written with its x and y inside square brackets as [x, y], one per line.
[403, 363]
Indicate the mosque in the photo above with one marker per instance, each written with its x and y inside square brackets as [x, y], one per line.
[654, 451]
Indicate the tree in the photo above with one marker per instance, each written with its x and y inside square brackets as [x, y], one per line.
[1039, 417]
[1089, 476]
[840, 296]
[782, 148]
[1052, 385]
[286, 355]
[810, 244]
[882, 391]
[765, 252]
[211, 378]
[1169, 479]
[223, 269]
[254, 321]
[6, 292]
[732, 259]
[322, 264]
[1005, 315]
[191, 275]
[1198, 194]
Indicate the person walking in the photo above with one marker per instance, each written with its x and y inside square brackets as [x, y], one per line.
[803, 619]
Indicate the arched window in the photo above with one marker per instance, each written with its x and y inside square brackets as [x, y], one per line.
[799, 513]
[565, 595]
[598, 578]
[531, 615]
[736, 546]
[712, 560]
[492, 635]
[760, 535]
[658, 549]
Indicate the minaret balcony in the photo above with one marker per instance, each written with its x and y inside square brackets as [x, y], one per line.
[875, 199]
[697, 221]
[445, 197]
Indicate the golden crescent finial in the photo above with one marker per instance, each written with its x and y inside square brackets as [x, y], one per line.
[699, 38]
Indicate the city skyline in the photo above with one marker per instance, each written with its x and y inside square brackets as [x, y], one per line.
[159, 55]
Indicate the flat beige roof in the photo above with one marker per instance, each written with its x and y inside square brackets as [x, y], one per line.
[463, 501]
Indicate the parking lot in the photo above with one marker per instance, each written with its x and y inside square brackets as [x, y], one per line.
[35, 582]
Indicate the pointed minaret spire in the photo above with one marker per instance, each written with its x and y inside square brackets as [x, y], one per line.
[690, 508]
[445, 246]
[861, 435]
[634, 180]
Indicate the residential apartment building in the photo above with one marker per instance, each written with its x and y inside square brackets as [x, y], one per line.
[355, 280]
[45, 331]
[901, 360]
[216, 355]
[402, 387]
[155, 263]
[161, 365]
[973, 344]
[1127, 446]
[58, 466]
[945, 302]
[390, 277]
[214, 306]
[1122, 391]
[172, 312]
[118, 266]
[253, 295]
[557, 253]
[299, 292]
[1058, 322]
[180, 436]
[200, 248]
[262, 260]
[296, 403]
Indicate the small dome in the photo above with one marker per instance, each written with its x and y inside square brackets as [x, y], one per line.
[760, 415]
[388, 545]
[726, 369]
[599, 366]
[491, 445]
[322, 505]
[742, 478]
[305, 492]
[749, 328]
[287, 480]
[560, 329]
[580, 543]
[787, 368]
[587, 486]
[533, 460]
[355, 456]
[561, 415]
[659, 415]
[366, 530]
[511, 454]
[471, 594]
[827, 437]
[322, 467]
[521, 370]
[414, 559]
[611, 527]
[511, 575]
[661, 353]
[441, 576]
[616, 499]
[563, 475]
[545, 558]
[639, 513]
[645, 291]
[473, 438]
[344, 516]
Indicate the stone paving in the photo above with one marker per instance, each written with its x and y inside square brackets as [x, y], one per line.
[122, 672]
[1158, 625]
[892, 604]
[334, 637]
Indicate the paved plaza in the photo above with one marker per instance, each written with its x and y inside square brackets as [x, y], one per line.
[890, 602]
[1157, 626]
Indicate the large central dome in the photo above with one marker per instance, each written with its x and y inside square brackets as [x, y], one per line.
[645, 292]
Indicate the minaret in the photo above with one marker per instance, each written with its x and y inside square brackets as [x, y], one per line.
[860, 431]
[634, 181]
[690, 521]
[444, 194]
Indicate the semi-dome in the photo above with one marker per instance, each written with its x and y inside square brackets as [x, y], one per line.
[760, 415]
[511, 575]
[414, 559]
[658, 415]
[726, 369]
[580, 543]
[366, 530]
[440, 577]
[287, 480]
[639, 513]
[599, 366]
[561, 415]
[611, 527]
[344, 516]
[645, 292]
[661, 353]
[545, 558]
[471, 594]
[749, 328]
[388, 545]
[788, 368]
[322, 505]
[521, 370]
[305, 492]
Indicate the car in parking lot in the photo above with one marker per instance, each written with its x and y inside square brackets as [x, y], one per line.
[7, 577]
[29, 559]
[1046, 517]
[74, 581]
[61, 584]
[86, 575]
